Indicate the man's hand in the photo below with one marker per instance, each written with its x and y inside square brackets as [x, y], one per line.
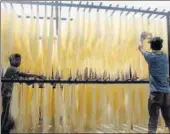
[143, 36]
[150, 37]
[40, 77]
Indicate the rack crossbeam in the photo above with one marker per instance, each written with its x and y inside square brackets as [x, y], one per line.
[92, 7]
[73, 81]
[48, 18]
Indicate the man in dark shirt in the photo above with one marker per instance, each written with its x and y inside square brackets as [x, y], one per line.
[158, 81]
[7, 122]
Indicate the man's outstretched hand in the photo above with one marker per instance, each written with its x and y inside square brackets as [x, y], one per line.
[150, 37]
[143, 36]
[40, 77]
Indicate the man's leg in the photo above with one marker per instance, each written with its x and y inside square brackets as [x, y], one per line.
[166, 115]
[5, 113]
[153, 108]
[165, 109]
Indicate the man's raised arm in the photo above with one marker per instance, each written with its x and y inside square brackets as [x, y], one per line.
[140, 44]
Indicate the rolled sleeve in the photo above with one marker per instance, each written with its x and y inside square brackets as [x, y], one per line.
[147, 56]
[16, 73]
[21, 74]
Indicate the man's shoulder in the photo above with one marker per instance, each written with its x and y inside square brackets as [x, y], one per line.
[11, 69]
[147, 54]
[151, 54]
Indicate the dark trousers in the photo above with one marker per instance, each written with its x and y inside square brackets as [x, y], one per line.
[157, 101]
[7, 122]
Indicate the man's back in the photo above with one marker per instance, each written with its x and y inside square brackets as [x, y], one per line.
[6, 89]
[158, 71]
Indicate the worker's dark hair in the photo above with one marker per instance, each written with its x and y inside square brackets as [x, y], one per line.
[156, 43]
[17, 55]
[14, 56]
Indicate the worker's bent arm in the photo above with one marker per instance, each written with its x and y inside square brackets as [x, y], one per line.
[143, 51]
[22, 74]
[140, 46]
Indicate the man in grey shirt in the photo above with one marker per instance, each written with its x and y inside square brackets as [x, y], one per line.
[158, 81]
[7, 122]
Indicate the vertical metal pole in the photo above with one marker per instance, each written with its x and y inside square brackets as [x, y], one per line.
[168, 28]
[56, 17]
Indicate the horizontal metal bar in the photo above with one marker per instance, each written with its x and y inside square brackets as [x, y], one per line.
[73, 81]
[146, 10]
[158, 15]
[137, 12]
[151, 14]
[99, 5]
[162, 17]
[28, 17]
[79, 6]
[92, 6]
[109, 7]
[129, 11]
[114, 10]
[122, 11]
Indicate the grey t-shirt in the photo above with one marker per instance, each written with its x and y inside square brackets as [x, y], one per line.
[11, 72]
[158, 71]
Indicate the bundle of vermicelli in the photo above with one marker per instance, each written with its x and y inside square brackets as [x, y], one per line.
[93, 46]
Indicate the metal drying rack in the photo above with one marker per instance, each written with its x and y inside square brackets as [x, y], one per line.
[90, 7]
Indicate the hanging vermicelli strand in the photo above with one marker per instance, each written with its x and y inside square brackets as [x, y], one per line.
[27, 60]
[48, 68]
[50, 53]
[66, 73]
[38, 70]
[5, 39]
[17, 48]
[25, 45]
[45, 90]
[15, 107]
[94, 88]
[81, 88]
[57, 106]
[66, 90]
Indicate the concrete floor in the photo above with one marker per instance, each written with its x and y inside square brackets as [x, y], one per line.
[112, 129]
[136, 129]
